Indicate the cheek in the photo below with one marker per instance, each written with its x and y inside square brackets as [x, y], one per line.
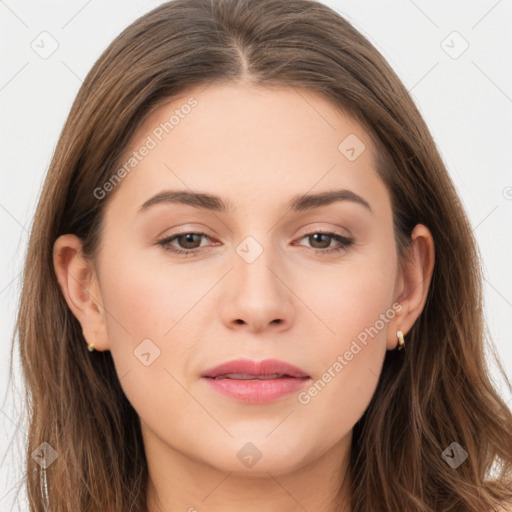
[351, 298]
[148, 308]
[147, 300]
[338, 396]
[148, 311]
[355, 306]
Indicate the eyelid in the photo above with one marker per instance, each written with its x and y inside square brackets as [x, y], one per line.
[345, 242]
[201, 231]
[333, 230]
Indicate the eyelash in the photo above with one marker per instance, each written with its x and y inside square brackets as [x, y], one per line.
[344, 241]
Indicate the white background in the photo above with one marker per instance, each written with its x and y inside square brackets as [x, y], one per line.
[466, 101]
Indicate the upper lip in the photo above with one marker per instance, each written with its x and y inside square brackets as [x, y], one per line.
[250, 367]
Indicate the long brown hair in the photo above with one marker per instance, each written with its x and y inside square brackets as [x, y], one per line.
[436, 392]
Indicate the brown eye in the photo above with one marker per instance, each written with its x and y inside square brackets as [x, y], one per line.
[187, 242]
[320, 242]
[322, 239]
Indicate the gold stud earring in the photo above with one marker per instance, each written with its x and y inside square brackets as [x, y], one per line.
[90, 347]
[401, 341]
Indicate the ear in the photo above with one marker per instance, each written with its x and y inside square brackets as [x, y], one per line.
[79, 285]
[413, 282]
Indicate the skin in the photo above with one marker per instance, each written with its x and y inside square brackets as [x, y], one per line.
[255, 147]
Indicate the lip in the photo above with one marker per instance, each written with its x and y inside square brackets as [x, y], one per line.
[255, 384]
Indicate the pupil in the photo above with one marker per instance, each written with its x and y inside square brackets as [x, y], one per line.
[189, 238]
[316, 235]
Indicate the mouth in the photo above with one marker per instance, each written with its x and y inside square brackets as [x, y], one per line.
[256, 382]
[245, 369]
[246, 376]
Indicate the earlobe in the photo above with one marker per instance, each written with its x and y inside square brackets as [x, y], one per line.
[414, 280]
[77, 281]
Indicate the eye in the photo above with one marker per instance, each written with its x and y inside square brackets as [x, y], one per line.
[188, 240]
[324, 239]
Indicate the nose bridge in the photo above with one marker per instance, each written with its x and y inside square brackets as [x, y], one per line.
[257, 266]
[256, 292]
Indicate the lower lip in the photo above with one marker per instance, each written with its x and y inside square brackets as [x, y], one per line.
[257, 391]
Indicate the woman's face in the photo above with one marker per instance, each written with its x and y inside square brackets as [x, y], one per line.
[261, 283]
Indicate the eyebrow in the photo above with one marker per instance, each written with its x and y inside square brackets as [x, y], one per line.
[298, 203]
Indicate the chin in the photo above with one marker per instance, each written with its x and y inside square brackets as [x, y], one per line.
[260, 457]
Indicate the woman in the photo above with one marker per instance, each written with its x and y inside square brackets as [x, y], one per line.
[251, 285]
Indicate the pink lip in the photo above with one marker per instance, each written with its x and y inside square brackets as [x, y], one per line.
[288, 379]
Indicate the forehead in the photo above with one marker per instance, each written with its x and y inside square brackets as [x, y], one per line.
[247, 143]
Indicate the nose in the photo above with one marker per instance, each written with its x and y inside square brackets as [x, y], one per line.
[256, 296]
